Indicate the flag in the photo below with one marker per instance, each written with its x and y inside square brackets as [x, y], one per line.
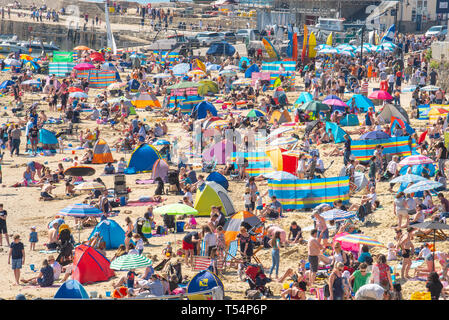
[295, 47]
[329, 39]
[312, 45]
[201, 65]
[304, 44]
[389, 35]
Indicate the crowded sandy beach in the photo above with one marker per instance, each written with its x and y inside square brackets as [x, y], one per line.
[225, 172]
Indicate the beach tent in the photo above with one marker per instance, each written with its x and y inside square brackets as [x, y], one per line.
[337, 132]
[111, 232]
[200, 110]
[244, 59]
[303, 98]
[142, 159]
[212, 194]
[281, 160]
[203, 281]
[350, 120]
[250, 70]
[5, 84]
[48, 140]
[220, 151]
[71, 289]
[102, 152]
[221, 48]
[245, 218]
[361, 102]
[280, 116]
[280, 97]
[218, 178]
[396, 122]
[160, 169]
[145, 99]
[393, 111]
[90, 266]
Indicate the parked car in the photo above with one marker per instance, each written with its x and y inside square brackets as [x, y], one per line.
[252, 34]
[206, 38]
[228, 36]
[193, 42]
[437, 31]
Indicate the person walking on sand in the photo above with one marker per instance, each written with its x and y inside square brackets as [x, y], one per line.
[406, 245]
[3, 228]
[275, 244]
[313, 250]
[16, 257]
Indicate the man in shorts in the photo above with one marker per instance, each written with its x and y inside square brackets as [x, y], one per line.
[3, 228]
[189, 244]
[314, 250]
[16, 257]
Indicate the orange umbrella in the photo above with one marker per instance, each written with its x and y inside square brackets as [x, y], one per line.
[75, 89]
[81, 48]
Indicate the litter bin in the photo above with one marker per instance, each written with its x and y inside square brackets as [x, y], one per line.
[180, 226]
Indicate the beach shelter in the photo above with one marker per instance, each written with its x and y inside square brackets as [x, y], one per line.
[220, 151]
[48, 140]
[200, 110]
[207, 86]
[218, 178]
[361, 102]
[90, 266]
[303, 98]
[280, 97]
[212, 194]
[396, 122]
[241, 218]
[111, 232]
[145, 99]
[142, 159]
[350, 120]
[280, 116]
[71, 289]
[5, 84]
[280, 161]
[393, 111]
[337, 132]
[160, 169]
[250, 70]
[203, 281]
[102, 152]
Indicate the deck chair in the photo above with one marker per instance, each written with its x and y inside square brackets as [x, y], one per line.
[201, 263]
[203, 252]
[254, 256]
[439, 235]
[230, 258]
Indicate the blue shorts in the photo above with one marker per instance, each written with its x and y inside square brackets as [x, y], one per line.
[16, 264]
[325, 234]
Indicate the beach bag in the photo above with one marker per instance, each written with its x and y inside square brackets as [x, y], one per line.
[146, 228]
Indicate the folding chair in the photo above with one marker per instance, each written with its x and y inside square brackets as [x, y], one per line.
[231, 256]
[203, 252]
[201, 263]
[255, 256]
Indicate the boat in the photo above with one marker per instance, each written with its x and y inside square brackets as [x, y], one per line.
[342, 31]
[13, 45]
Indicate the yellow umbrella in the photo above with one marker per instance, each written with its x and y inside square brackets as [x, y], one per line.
[198, 73]
[26, 57]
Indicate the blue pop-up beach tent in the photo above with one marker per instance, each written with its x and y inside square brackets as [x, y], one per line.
[142, 159]
[111, 232]
[200, 110]
[71, 289]
[218, 178]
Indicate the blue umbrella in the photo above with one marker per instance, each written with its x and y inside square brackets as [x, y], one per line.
[59, 221]
[375, 135]
[81, 210]
[331, 96]
[423, 186]
[337, 215]
[6, 84]
[280, 175]
[161, 142]
[407, 178]
[181, 69]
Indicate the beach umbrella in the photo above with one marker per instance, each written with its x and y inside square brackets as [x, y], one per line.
[207, 86]
[12, 62]
[130, 261]
[279, 131]
[81, 210]
[232, 67]
[414, 160]
[430, 88]
[323, 46]
[244, 82]
[279, 175]
[423, 186]
[348, 53]
[181, 69]
[337, 215]
[97, 57]
[380, 95]
[346, 47]
[78, 95]
[360, 239]
[162, 76]
[283, 141]
[328, 51]
[75, 89]
[219, 124]
[389, 44]
[335, 103]
[410, 88]
[331, 96]
[227, 73]
[213, 67]
[314, 106]
[84, 66]
[254, 113]
[81, 48]
[197, 72]
[407, 178]
[176, 209]
[26, 57]
[374, 135]
[161, 142]
[117, 86]
[432, 225]
[90, 185]
[31, 82]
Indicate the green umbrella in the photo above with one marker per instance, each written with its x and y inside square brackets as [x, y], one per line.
[184, 85]
[175, 209]
[314, 106]
[207, 86]
[130, 261]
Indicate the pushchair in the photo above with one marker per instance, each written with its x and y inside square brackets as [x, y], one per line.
[257, 279]
[65, 247]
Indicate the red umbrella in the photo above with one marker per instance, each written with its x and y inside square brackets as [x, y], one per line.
[75, 89]
[422, 137]
[381, 95]
[97, 57]
[84, 66]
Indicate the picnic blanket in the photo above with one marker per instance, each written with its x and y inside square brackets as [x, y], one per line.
[144, 181]
[137, 203]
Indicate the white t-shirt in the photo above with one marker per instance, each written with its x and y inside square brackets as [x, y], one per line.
[392, 167]
[211, 239]
[247, 198]
[56, 270]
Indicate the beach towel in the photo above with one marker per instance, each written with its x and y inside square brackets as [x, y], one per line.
[137, 203]
[144, 181]
[48, 251]
[415, 264]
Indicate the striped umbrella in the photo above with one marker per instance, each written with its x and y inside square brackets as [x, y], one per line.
[233, 224]
[360, 239]
[430, 88]
[219, 124]
[423, 186]
[90, 185]
[348, 53]
[81, 210]
[337, 215]
[130, 261]
[175, 209]
[414, 160]
[196, 72]
[283, 141]
[407, 178]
